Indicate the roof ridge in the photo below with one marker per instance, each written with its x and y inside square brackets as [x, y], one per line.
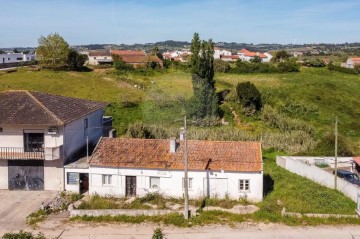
[43, 106]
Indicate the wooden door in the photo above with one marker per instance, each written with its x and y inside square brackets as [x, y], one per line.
[130, 186]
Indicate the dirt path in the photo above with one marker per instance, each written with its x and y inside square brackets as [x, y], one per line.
[55, 228]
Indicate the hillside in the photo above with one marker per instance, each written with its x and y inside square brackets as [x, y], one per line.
[303, 105]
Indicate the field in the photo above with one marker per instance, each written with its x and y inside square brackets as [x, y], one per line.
[311, 99]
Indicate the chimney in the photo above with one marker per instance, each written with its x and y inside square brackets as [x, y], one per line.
[172, 145]
[182, 134]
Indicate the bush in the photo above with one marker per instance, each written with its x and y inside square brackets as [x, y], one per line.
[249, 97]
[357, 68]
[122, 66]
[22, 235]
[253, 67]
[158, 234]
[288, 66]
[326, 146]
[314, 63]
[332, 67]
[221, 66]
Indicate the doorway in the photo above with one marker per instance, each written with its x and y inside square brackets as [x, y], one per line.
[26, 174]
[130, 190]
[84, 182]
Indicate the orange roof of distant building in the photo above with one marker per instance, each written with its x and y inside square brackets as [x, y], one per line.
[155, 154]
[140, 59]
[356, 58]
[127, 52]
[247, 53]
[99, 53]
[229, 57]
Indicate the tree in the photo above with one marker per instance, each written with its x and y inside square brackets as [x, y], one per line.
[281, 56]
[76, 61]
[357, 68]
[249, 97]
[2, 52]
[221, 66]
[52, 51]
[203, 107]
[16, 51]
[256, 59]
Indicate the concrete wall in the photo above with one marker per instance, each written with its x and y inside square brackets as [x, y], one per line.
[4, 184]
[220, 183]
[94, 60]
[316, 174]
[75, 135]
[16, 57]
[13, 136]
[54, 175]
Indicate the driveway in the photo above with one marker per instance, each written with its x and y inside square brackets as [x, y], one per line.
[15, 206]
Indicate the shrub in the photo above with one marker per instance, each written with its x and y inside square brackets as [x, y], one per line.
[23, 235]
[357, 68]
[314, 63]
[326, 146]
[332, 67]
[158, 234]
[221, 66]
[288, 66]
[249, 97]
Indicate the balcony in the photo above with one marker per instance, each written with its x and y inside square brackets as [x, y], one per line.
[18, 153]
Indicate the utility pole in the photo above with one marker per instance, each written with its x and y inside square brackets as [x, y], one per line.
[336, 149]
[186, 181]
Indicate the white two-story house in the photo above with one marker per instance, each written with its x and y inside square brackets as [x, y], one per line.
[40, 133]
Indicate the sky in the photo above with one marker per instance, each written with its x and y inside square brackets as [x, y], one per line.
[147, 21]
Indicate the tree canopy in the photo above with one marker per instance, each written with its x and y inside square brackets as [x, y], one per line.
[203, 107]
[52, 51]
[249, 97]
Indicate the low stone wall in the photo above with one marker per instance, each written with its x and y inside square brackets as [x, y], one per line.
[284, 213]
[117, 212]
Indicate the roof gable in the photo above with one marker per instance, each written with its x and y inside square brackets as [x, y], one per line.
[36, 108]
[155, 154]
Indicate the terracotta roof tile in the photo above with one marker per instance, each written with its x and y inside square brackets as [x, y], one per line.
[36, 108]
[155, 154]
[128, 52]
[99, 53]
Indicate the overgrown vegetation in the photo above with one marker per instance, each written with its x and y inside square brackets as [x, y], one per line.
[22, 235]
[249, 97]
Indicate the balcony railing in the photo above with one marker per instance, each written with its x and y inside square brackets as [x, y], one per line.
[13, 153]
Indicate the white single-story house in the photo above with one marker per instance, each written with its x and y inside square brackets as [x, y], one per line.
[218, 53]
[16, 57]
[351, 62]
[99, 58]
[246, 55]
[135, 167]
[41, 132]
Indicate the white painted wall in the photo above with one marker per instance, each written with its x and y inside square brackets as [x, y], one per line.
[219, 52]
[321, 176]
[13, 136]
[94, 60]
[53, 175]
[4, 182]
[75, 188]
[221, 183]
[75, 133]
[15, 57]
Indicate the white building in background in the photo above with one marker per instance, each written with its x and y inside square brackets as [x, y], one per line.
[99, 58]
[135, 167]
[218, 53]
[39, 133]
[16, 57]
[246, 55]
[351, 62]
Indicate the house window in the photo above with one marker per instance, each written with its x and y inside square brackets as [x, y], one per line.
[154, 182]
[94, 57]
[244, 185]
[105, 57]
[106, 179]
[189, 182]
[19, 59]
[86, 123]
[33, 142]
[72, 178]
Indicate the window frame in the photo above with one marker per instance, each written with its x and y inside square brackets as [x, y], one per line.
[150, 179]
[106, 179]
[190, 182]
[244, 185]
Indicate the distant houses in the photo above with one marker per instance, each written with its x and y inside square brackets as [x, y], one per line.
[16, 57]
[351, 62]
[243, 54]
[135, 58]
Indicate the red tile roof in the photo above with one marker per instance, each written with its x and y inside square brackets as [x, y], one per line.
[230, 57]
[35, 108]
[137, 59]
[356, 58]
[247, 53]
[356, 160]
[99, 53]
[155, 154]
[127, 52]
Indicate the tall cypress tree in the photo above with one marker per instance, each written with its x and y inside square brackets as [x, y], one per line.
[203, 107]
